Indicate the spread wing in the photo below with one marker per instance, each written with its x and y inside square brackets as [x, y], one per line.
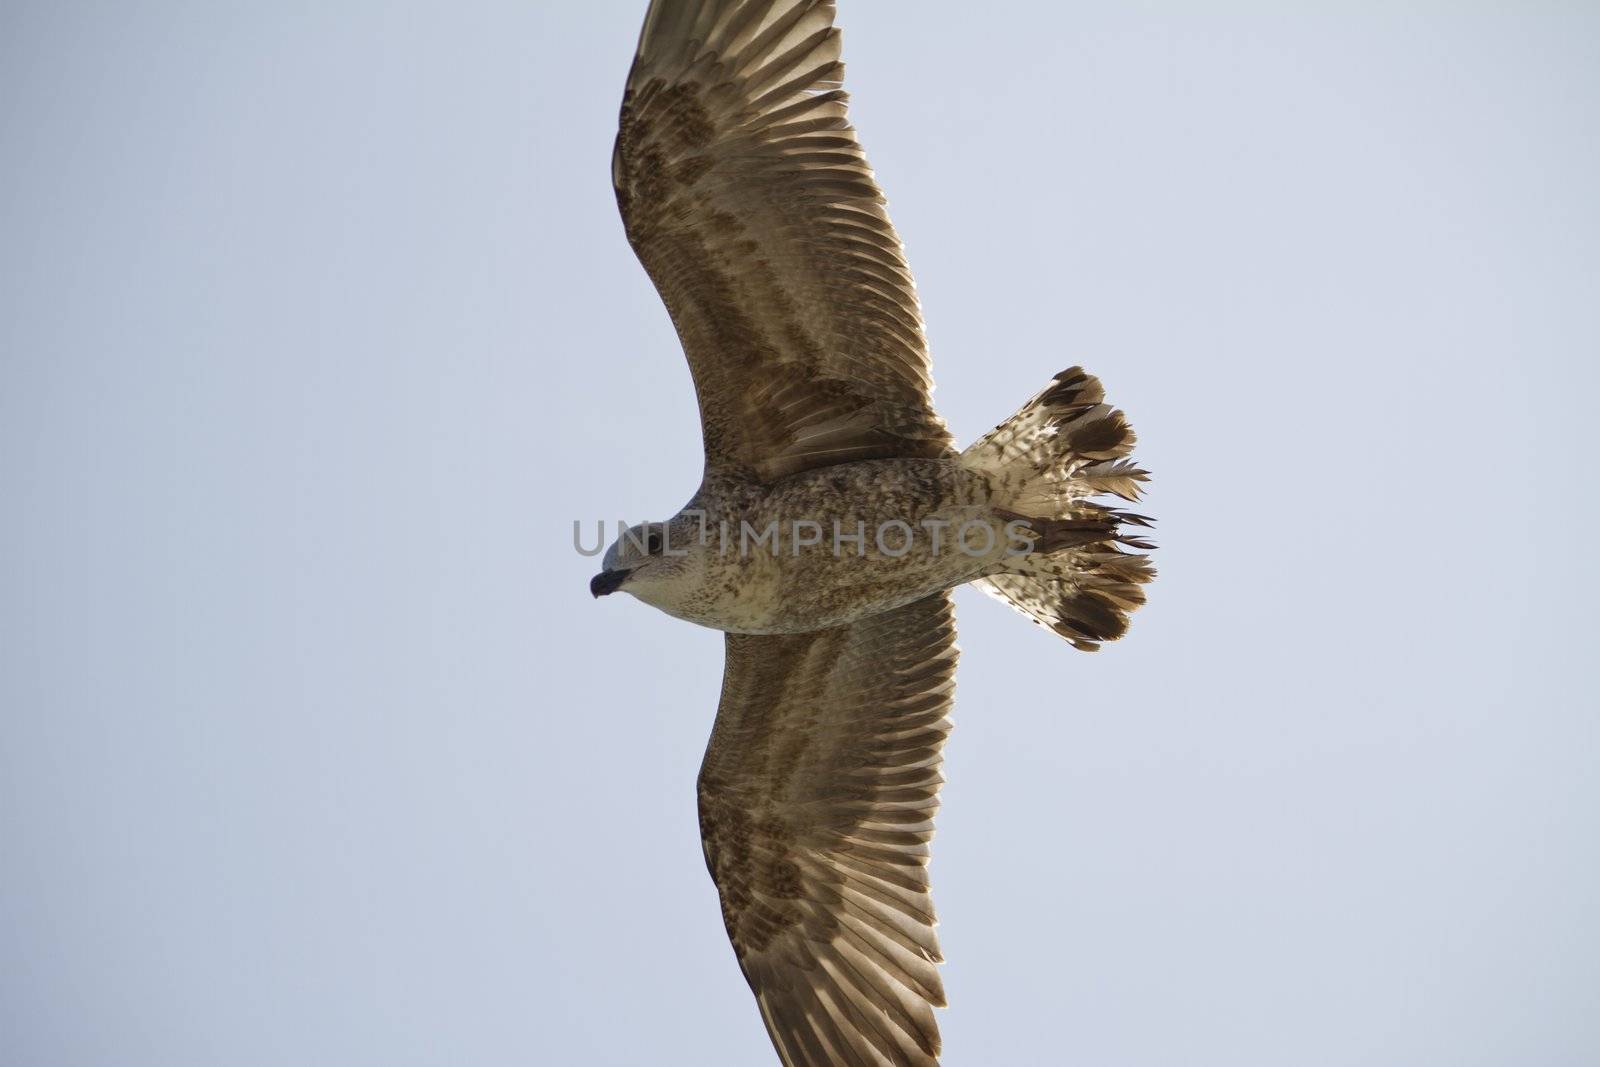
[751, 205]
[817, 798]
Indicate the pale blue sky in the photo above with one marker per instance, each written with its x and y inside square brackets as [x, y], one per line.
[318, 328]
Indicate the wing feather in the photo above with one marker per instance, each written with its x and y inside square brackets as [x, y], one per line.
[750, 203]
[817, 798]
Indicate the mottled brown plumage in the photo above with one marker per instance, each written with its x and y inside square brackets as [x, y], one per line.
[817, 798]
[751, 205]
[748, 200]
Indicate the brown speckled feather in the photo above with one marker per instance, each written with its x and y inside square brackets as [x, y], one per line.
[817, 798]
[1050, 459]
[751, 205]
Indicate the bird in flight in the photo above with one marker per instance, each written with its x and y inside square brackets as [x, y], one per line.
[834, 516]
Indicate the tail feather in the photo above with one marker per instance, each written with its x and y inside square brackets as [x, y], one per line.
[1044, 464]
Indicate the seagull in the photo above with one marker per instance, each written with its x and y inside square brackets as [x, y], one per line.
[833, 518]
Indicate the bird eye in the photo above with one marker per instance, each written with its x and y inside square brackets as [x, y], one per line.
[652, 543]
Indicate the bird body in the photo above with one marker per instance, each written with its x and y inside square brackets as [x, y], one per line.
[823, 547]
[834, 516]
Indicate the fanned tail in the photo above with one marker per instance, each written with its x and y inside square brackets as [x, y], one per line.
[1044, 464]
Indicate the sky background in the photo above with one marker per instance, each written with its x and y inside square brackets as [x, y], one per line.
[319, 329]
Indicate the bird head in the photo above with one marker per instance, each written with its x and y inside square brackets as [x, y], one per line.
[650, 560]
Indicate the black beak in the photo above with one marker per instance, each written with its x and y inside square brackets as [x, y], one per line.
[607, 582]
